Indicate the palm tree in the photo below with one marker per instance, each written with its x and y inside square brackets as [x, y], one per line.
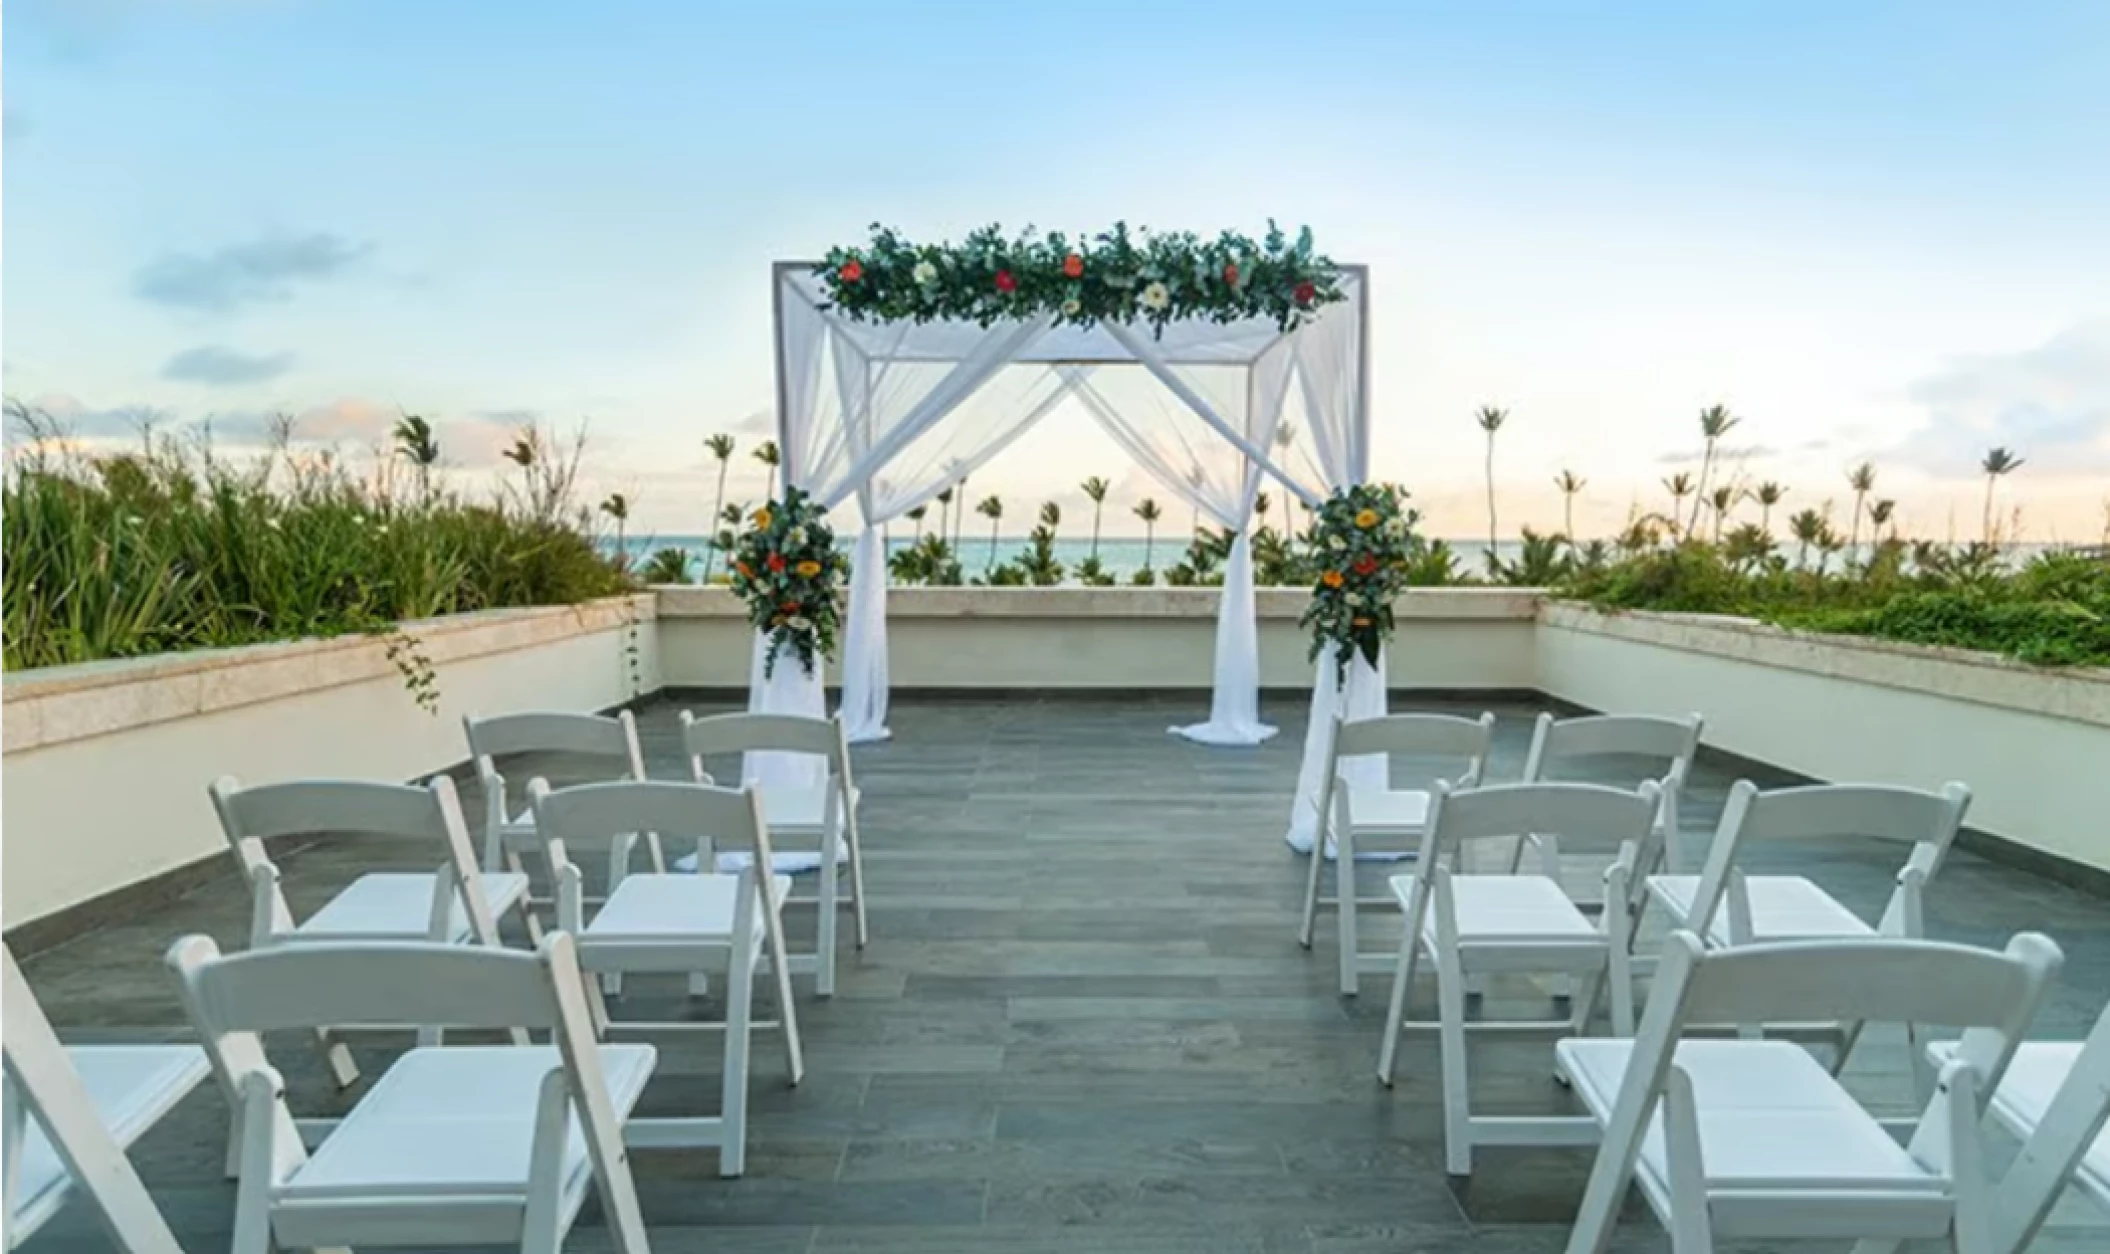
[959, 519]
[1147, 510]
[766, 453]
[1715, 422]
[1096, 489]
[1721, 500]
[1808, 528]
[1491, 420]
[1570, 484]
[944, 528]
[1260, 504]
[991, 508]
[1879, 514]
[416, 444]
[1862, 479]
[721, 447]
[617, 506]
[916, 516]
[1767, 494]
[1998, 462]
[1680, 486]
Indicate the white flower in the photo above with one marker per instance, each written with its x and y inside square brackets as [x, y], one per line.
[797, 538]
[925, 273]
[1156, 296]
[272, 523]
[1070, 307]
[1335, 543]
[799, 622]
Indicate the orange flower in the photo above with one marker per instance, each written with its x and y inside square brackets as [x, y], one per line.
[744, 569]
[1073, 266]
[808, 569]
[762, 519]
[1366, 519]
[1231, 274]
[1361, 622]
[1331, 579]
[852, 270]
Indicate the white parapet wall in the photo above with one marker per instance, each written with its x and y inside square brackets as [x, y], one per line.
[2032, 744]
[106, 764]
[1118, 639]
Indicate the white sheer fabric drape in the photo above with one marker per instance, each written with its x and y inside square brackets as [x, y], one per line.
[1328, 376]
[1193, 463]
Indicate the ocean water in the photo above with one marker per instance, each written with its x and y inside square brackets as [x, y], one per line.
[1121, 556]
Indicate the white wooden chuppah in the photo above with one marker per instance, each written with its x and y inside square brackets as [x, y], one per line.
[890, 413]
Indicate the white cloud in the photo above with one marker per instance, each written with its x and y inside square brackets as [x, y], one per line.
[2051, 404]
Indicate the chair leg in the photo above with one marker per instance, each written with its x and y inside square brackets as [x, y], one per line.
[337, 1057]
[857, 889]
[1344, 889]
[1457, 1106]
[1311, 887]
[830, 906]
[739, 1006]
[1396, 1008]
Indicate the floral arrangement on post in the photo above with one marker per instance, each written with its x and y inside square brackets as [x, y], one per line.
[1360, 544]
[1116, 275]
[787, 568]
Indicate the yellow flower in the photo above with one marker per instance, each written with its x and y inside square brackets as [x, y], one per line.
[1361, 622]
[762, 519]
[1331, 579]
[1366, 519]
[808, 569]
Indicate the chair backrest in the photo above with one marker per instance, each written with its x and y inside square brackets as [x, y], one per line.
[42, 1081]
[607, 742]
[344, 807]
[1585, 811]
[1928, 821]
[232, 1000]
[1673, 741]
[1422, 735]
[705, 813]
[1991, 994]
[719, 734]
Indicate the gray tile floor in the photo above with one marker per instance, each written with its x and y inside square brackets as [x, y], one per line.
[1083, 1022]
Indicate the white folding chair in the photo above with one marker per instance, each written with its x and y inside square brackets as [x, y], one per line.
[1474, 925]
[1727, 907]
[458, 903]
[1672, 743]
[1733, 1139]
[72, 1111]
[825, 815]
[2056, 1099]
[686, 922]
[604, 745]
[1362, 822]
[455, 1145]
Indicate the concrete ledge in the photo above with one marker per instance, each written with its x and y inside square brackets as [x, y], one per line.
[54, 705]
[2081, 695]
[684, 601]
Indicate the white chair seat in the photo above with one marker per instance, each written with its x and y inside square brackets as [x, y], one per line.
[1770, 1118]
[2023, 1101]
[1396, 811]
[131, 1086]
[456, 1121]
[395, 905]
[674, 908]
[1507, 909]
[1783, 907]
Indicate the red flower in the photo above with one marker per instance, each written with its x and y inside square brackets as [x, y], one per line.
[1306, 292]
[1366, 565]
[1073, 266]
[789, 607]
[776, 562]
[852, 271]
[1004, 281]
[1231, 274]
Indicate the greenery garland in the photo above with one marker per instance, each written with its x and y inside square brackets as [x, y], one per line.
[788, 570]
[1362, 536]
[1117, 275]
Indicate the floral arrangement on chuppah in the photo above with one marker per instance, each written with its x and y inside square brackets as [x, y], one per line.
[1116, 275]
[1360, 540]
[787, 568]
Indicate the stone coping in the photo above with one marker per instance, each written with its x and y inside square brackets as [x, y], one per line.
[686, 601]
[2079, 694]
[53, 705]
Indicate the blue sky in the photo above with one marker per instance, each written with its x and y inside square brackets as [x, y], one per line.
[1871, 229]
